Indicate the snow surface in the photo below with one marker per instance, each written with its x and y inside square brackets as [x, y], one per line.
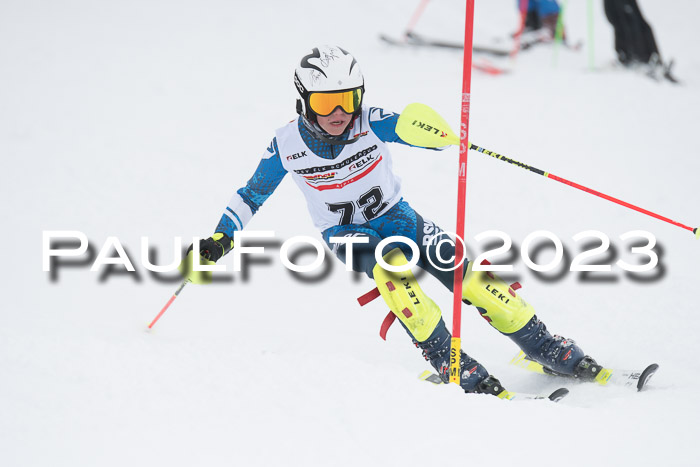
[134, 118]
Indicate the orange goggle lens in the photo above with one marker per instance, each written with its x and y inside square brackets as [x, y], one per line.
[324, 103]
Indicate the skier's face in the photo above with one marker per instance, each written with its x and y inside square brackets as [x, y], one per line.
[335, 123]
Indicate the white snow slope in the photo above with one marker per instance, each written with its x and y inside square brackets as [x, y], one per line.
[136, 118]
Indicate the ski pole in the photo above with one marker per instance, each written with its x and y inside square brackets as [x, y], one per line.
[414, 19]
[591, 47]
[695, 230]
[524, 6]
[172, 299]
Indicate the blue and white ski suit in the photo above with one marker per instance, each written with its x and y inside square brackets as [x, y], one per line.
[352, 190]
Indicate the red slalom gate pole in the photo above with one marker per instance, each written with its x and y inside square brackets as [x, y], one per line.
[414, 19]
[524, 6]
[456, 344]
[172, 299]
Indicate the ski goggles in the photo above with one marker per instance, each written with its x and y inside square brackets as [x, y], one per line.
[324, 103]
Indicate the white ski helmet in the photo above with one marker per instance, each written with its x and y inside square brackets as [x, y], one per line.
[335, 75]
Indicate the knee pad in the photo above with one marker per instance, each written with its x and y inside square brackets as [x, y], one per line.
[497, 301]
[407, 301]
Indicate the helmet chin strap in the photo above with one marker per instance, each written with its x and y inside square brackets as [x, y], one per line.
[319, 133]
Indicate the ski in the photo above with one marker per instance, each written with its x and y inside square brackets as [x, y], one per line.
[528, 44]
[659, 72]
[612, 376]
[555, 396]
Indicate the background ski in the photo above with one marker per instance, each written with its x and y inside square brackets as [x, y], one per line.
[482, 64]
[555, 396]
[614, 376]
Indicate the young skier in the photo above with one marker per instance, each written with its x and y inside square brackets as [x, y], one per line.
[336, 152]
